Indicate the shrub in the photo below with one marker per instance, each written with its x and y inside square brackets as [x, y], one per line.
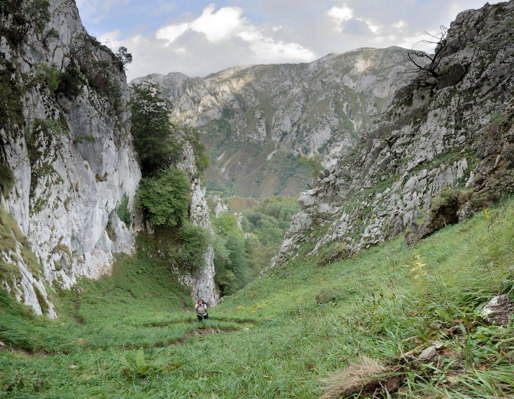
[135, 366]
[165, 198]
[194, 242]
[6, 180]
[11, 110]
[71, 81]
[225, 278]
[123, 57]
[123, 211]
[225, 224]
[49, 75]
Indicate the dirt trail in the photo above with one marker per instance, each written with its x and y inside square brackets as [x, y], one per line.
[193, 321]
[198, 333]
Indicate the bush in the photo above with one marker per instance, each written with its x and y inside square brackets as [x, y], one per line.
[49, 75]
[123, 57]
[194, 242]
[165, 198]
[6, 180]
[71, 81]
[123, 211]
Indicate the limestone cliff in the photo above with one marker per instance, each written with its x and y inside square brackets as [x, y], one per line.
[66, 159]
[265, 125]
[202, 282]
[442, 150]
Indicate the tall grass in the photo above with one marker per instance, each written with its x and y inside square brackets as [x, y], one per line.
[283, 335]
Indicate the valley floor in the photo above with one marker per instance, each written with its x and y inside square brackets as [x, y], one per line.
[291, 334]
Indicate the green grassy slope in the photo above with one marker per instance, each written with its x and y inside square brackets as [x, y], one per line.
[285, 334]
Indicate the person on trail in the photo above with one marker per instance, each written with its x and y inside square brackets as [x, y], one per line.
[201, 310]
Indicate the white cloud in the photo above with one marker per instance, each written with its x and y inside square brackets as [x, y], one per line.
[215, 26]
[270, 50]
[171, 33]
[111, 39]
[371, 26]
[400, 25]
[340, 15]
[223, 37]
[102, 5]
[218, 25]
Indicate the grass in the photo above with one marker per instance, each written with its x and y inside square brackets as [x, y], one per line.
[13, 242]
[284, 335]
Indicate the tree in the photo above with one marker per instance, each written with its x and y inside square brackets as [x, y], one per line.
[416, 57]
[238, 260]
[124, 57]
[151, 128]
[225, 224]
[165, 197]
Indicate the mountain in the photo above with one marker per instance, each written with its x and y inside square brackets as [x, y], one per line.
[442, 150]
[268, 127]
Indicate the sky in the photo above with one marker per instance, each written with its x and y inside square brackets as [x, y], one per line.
[199, 37]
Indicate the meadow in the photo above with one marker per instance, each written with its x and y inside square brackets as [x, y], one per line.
[292, 334]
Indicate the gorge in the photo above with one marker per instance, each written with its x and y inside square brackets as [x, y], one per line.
[397, 265]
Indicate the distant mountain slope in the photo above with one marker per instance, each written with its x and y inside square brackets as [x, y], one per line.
[262, 123]
[443, 150]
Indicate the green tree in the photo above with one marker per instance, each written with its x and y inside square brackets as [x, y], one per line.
[165, 197]
[151, 129]
[238, 260]
[225, 224]
[123, 57]
[231, 262]
[225, 278]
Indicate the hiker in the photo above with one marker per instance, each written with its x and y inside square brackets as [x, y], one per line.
[201, 310]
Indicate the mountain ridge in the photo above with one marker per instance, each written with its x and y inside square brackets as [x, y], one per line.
[301, 111]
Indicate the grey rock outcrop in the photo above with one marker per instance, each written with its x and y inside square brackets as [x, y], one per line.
[65, 142]
[443, 149]
[202, 283]
[255, 119]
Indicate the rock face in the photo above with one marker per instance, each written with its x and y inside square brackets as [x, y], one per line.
[67, 164]
[442, 150]
[262, 123]
[202, 283]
